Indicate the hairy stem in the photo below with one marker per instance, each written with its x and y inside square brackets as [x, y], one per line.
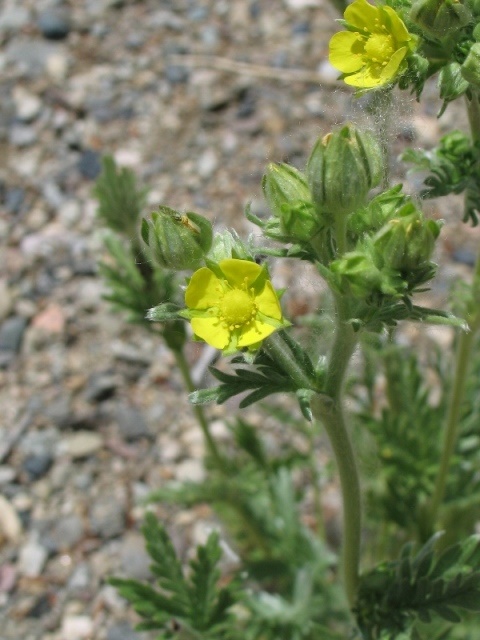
[198, 410]
[328, 408]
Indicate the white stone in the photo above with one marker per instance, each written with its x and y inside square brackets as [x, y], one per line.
[77, 628]
[190, 471]
[81, 444]
[28, 105]
[32, 558]
[10, 525]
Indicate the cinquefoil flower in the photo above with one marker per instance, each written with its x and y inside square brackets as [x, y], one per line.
[373, 50]
[234, 306]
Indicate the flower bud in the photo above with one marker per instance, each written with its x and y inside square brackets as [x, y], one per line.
[288, 195]
[377, 212]
[342, 168]
[177, 241]
[226, 244]
[439, 17]
[357, 274]
[407, 241]
[471, 65]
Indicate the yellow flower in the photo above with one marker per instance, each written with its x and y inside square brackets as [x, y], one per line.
[372, 52]
[234, 306]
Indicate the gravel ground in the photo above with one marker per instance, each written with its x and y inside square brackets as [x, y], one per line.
[93, 413]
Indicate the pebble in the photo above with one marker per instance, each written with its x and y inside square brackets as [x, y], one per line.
[65, 533]
[37, 466]
[77, 627]
[22, 135]
[11, 333]
[107, 517]
[122, 631]
[28, 105]
[190, 471]
[207, 163]
[90, 165]
[6, 299]
[100, 387]
[14, 18]
[135, 561]
[10, 524]
[54, 23]
[81, 444]
[131, 423]
[32, 557]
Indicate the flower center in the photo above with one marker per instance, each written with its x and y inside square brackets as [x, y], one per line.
[237, 307]
[379, 47]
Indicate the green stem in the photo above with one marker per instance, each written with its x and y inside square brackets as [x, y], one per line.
[463, 355]
[198, 410]
[328, 408]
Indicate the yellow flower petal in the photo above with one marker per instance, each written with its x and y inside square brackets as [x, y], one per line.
[203, 289]
[256, 332]
[362, 14]
[345, 51]
[389, 71]
[395, 25]
[268, 303]
[236, 271]
[212, 331]
[367, 78]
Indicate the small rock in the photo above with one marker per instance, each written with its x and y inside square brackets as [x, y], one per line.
[82, 444]
[14, 199]
[69, 213]
[80, 578]
[11, 333]
[50, 320]
[14, 18]
[90, 165]
[7, 474]
[10, 525]
[6, 300]
[32, 558]
[37, 466]
[54, 23]
[107, 517]
[176, 74]
[122, 631]
[131, 423]
[190, 471]
[77, 627]
[28, 105]
[134, 558]
[8, 578]
[65, 534]
[207, 163]
[100, 387]
[22, 135]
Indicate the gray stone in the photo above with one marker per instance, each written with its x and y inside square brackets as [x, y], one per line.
[14, 199]
[90, 165]
[100, 386]
[22, 135]
[81, 444]
[54, 23]
[176, 74]
[80, 578]
[37, 466]
[134, 558]
[11, 333]
[131, 422]
[31, 54]
[65, 533]
[14, 18]
[32, 558]
[107, 517]
[122, 631]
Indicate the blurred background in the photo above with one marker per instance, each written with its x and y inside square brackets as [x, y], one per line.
[196, 96]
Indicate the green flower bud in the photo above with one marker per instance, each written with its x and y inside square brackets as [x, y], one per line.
[377, 212]
[342, 168]
[451, 82]
[283, 184]
[227, 244]
[288, 195]
[357, 274]
[439, 17]
[406, 242]
[177, 241]
[471, 65]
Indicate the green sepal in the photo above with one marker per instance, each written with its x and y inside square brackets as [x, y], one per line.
[164, 312]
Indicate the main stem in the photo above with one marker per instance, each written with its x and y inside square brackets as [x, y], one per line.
[199, 413]
[328, 408]
[463, 355]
